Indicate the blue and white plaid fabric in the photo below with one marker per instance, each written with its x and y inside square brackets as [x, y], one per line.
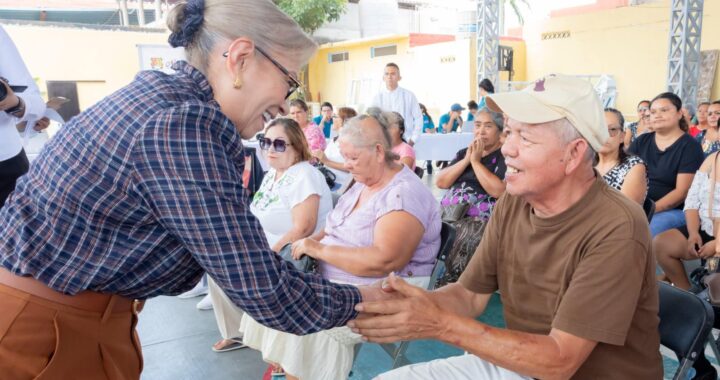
[141, 193]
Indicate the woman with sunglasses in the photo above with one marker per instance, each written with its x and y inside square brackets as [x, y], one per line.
[313, 133]
[622, 171]
[142, 192]
[671, 157]
[642, 125]
[291, 203]
[388, 221]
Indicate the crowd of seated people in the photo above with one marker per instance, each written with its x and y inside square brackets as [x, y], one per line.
[365, 237]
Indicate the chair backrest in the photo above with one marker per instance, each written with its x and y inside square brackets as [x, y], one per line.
[418, 170]
[649, 208]
[447, 238]
[685, 321]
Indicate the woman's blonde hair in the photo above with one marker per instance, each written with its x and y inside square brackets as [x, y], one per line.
[295, 135]
[198, 25]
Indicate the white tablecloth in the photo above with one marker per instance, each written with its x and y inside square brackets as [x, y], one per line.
[442, 147]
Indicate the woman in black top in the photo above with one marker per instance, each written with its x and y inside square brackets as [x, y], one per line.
[672, 158]
[474, 181]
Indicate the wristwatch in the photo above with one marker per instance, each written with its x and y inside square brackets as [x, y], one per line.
[18, 110]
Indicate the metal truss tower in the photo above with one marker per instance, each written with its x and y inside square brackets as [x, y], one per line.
[684, 50]
[488, 37]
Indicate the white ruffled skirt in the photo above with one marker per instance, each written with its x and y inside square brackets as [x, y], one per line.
[325, 355]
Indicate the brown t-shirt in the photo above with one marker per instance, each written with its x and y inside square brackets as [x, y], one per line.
[588, 271]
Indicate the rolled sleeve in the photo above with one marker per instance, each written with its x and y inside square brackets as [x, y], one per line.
[191, 181]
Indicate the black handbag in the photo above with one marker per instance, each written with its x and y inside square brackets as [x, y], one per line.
[305, 264]
[329, 175]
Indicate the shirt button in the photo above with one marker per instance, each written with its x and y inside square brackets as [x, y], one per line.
[410, 273]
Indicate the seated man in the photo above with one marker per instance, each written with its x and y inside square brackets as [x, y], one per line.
[570, 256]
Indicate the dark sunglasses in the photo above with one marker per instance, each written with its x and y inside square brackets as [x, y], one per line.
[277, 144]
[293, 84]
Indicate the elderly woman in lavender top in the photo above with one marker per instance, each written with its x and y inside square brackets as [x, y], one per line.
[388, 221]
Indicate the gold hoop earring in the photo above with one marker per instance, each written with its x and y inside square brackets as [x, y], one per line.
[237, 84]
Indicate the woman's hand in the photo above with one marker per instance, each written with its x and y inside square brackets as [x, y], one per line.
[478, 148]
[694, 243]
[319, 154]
[708, 250]
[307, 246]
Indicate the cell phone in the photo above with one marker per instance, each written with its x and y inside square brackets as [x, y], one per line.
[17, 88]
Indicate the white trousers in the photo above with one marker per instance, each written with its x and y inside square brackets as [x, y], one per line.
[467, 366]
[227, 315]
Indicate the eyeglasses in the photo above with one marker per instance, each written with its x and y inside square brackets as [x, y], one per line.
[277, 144]
[614, 131]
[293, 84]
[643, 109]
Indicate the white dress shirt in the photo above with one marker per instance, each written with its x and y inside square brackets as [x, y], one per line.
[406, 104]
[13, 69]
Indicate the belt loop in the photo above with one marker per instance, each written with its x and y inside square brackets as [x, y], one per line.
[109, 309]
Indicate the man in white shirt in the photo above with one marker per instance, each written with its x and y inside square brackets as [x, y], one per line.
[15, 107]
[400, 100]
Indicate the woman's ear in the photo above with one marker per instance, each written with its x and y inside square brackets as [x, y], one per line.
[239, 51]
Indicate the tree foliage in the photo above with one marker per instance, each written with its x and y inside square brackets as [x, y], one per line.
[312, 14]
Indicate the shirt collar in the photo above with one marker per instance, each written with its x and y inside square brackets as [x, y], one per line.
[185, 69]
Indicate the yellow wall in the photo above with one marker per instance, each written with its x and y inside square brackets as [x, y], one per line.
[439, 74]
[331, 81]
[101, 61]
[629, 43]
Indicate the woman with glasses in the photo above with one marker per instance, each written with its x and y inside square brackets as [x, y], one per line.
[701, 119]
[142, 192]
[313, 133]
[620, 170]
[672, 157]
[388, 221]
[291, 203]
[641, 126]
[709, 138]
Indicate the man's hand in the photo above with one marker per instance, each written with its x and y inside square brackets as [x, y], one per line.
[307, 246]
[414, 316]
[41, 124]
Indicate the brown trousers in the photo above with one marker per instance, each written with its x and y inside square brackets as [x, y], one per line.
[40, 339]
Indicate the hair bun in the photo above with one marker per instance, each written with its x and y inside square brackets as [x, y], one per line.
[187, 23]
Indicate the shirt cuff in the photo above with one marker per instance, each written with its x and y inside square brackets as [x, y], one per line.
[344, 300]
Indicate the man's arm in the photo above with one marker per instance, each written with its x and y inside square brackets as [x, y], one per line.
[447, 315]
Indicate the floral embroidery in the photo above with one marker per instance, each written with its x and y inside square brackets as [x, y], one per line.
[269, 194]
[481, 204]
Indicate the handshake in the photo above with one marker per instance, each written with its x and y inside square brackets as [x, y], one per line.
[393, 310]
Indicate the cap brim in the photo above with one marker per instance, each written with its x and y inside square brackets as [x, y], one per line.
[522, 107]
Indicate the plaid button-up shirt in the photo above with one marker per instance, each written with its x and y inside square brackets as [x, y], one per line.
[141, 193]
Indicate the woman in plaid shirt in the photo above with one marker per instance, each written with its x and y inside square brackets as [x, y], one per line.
[141, 193]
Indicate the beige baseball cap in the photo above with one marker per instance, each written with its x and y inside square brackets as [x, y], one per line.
[554, 97]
